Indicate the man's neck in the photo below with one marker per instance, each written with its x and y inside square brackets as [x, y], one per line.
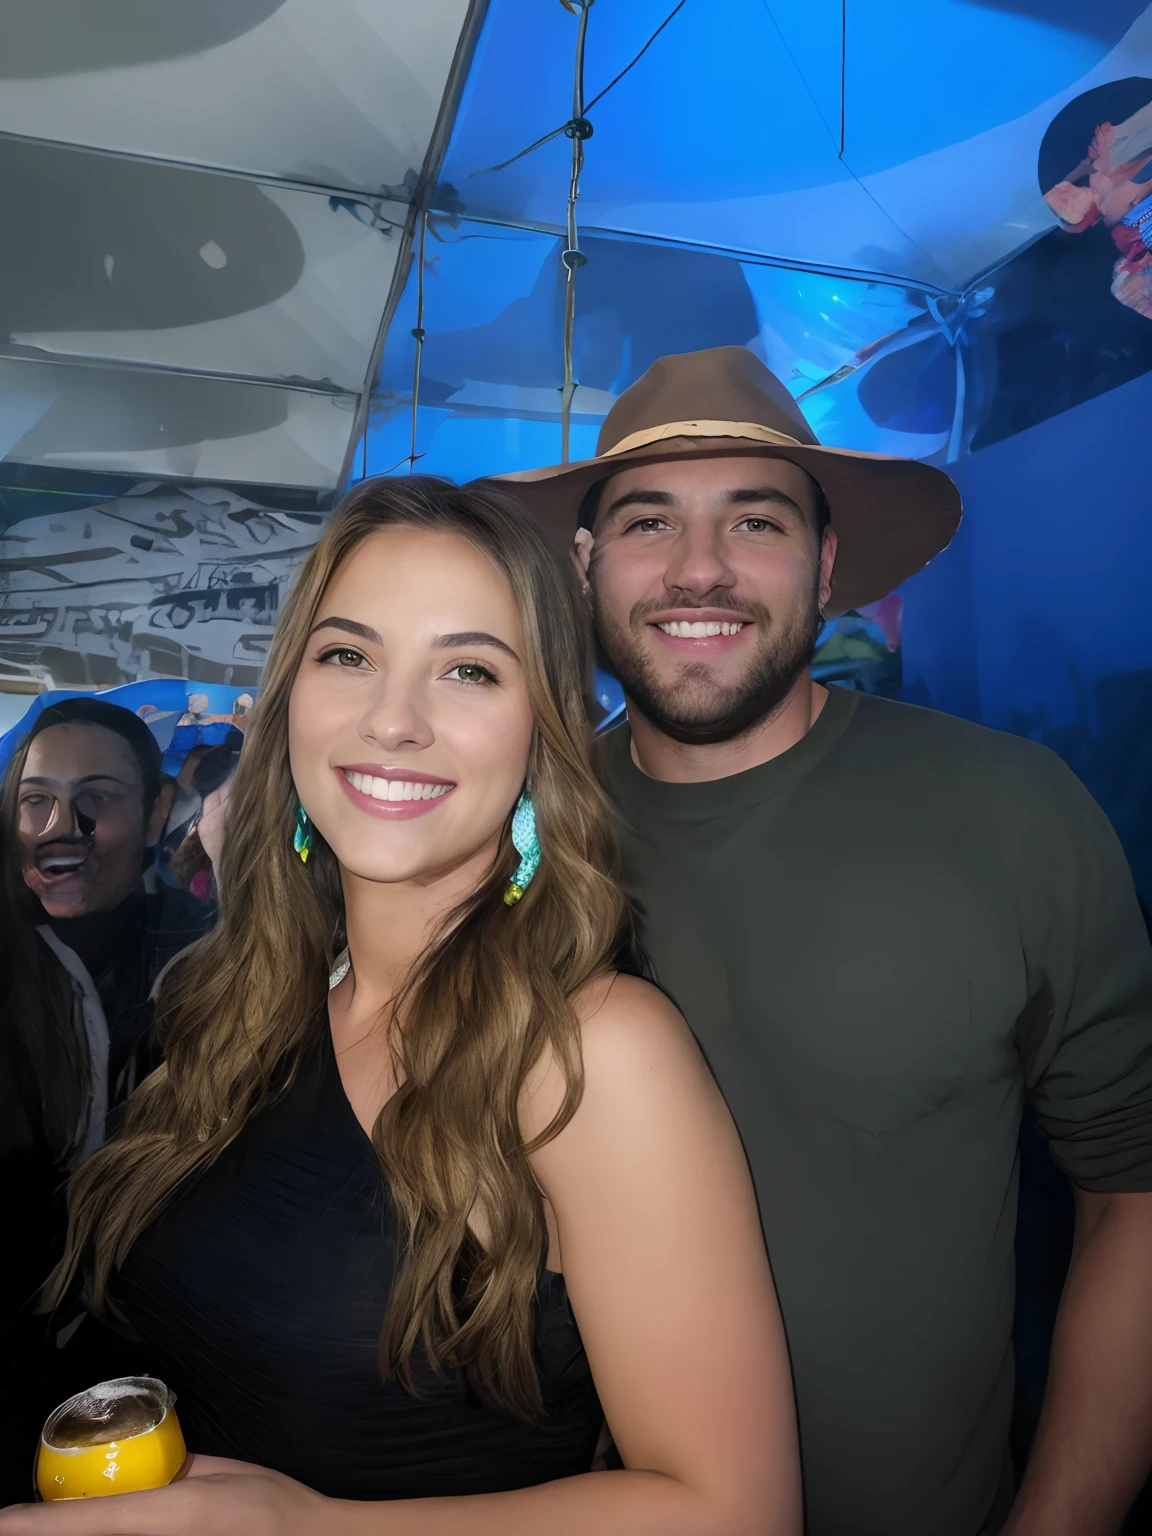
[677, 762]
[99, 938]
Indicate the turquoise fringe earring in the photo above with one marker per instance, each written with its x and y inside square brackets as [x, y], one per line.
[302, 838]
[527, 845]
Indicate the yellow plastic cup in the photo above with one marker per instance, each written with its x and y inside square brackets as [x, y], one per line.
[121, 1436]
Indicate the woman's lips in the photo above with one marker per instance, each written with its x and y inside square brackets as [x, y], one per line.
[393, 795]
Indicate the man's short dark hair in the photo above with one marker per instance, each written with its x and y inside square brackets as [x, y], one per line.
[822, 514]
[121, 722]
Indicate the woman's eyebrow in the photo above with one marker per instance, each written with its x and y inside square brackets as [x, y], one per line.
[444, 642]
[475, 637]
[350, 626]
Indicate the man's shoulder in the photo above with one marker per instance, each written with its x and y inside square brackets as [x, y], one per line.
[919, 735]
[1013, 780]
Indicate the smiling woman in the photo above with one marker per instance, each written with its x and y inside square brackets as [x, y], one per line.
[403, 1215]
[450, 708]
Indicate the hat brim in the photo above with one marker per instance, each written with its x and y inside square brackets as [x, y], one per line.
[891, 515]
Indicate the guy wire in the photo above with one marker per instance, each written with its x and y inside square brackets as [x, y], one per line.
[418, 333]
[578, 129]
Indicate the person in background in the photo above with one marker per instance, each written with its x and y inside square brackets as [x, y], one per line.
[213, 818]
[199, 838]
[44, 1086]
[889, 929]
[86, 802]
[83, 802]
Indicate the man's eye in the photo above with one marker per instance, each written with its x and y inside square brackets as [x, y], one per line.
[647, 525]
[756, 524]
[471, 672]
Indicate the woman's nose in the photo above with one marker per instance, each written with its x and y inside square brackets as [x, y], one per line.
[397, 716]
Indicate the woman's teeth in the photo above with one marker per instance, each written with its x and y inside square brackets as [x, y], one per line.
[395, 789]
[699, 631]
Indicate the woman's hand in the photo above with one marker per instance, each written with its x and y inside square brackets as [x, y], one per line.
[212, 821]
[214, 1498]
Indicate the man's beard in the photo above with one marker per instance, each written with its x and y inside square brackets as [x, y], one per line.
[694, 708]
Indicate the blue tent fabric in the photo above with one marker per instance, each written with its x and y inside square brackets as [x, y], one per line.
[800, 129]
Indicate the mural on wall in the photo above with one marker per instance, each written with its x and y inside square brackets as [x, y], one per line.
[1103, 140]
[187, 583]
[1071, 314]
[164, 581]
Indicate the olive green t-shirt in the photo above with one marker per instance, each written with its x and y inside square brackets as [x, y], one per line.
[885, 940]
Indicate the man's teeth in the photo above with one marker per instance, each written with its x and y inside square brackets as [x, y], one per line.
[681, 630]
[62, 866]
[395, 789]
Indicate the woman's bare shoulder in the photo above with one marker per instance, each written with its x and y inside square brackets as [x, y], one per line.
[616, 1001]
[626, 1022]
[627, 1028]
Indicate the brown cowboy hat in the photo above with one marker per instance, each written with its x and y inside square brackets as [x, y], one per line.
[891, 515]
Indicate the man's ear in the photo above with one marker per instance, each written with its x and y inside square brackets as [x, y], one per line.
[160, 812]
[582, 547]
[827, 561]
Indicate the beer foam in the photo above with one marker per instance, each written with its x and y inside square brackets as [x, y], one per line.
[112, 1410]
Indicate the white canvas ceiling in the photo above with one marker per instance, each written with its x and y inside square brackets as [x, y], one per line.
[205, 206]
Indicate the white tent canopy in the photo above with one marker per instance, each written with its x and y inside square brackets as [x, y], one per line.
[205, 209]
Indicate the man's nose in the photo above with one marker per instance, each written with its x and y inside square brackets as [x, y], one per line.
[61, 821]
[698, 563]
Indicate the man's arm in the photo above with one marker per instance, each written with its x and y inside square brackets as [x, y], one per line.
[1093, 1449]
[1086, 1048]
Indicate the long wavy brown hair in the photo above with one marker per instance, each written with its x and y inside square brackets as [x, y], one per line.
[492, 994]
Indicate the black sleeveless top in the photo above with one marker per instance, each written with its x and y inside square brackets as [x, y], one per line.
[259, 1295]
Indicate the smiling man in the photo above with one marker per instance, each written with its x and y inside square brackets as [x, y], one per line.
[85, 799]
[90, 802]
[702, 664]
[888, 928]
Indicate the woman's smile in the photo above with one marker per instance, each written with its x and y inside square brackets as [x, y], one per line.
[394, 794]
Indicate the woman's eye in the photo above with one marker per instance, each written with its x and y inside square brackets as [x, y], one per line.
[471, 672]
[344, 657]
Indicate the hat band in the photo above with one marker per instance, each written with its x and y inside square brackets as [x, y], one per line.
[748, 429]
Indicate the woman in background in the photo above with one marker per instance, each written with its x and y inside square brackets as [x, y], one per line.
[197, 853]
[401, 1237]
